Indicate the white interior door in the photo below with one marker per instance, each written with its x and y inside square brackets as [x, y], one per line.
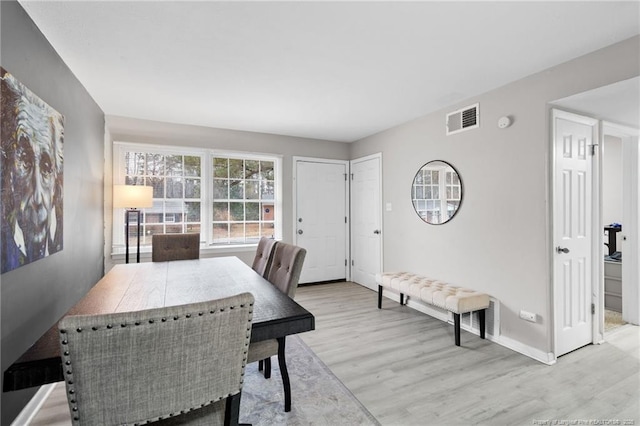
[573, 141]
[366, 220]
[321, 218]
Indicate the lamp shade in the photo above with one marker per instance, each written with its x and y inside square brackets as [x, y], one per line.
[132, 196]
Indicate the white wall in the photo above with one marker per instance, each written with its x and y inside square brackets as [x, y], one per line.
[499, 240]
[143, 131]
[612, 183]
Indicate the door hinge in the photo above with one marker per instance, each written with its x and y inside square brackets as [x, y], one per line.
[352, 263]
[345, 176]
[351, 176]
[345, 219]
[593, 148]
[593, 309]
[345, 262]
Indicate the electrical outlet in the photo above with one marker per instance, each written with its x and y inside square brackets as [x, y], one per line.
[528, 316]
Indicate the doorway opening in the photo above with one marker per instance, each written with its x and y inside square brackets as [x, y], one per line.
[617, 191]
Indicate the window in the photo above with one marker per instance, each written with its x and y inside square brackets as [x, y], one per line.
[426, 194]
[243, 199]
[454, 192]
[176, 181]
[230, 198]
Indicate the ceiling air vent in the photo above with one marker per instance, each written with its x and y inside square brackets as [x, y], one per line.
[463, 119]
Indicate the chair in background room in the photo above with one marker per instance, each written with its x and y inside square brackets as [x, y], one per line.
[284, 273]
[264, 256]
[165, 247]
[181, 364]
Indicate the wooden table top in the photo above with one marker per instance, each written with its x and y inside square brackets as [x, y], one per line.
[138, 286]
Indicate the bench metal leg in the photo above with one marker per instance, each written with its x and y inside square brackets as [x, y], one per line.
[456, 326]
[401, 299]
[481, 315]
[379, 297]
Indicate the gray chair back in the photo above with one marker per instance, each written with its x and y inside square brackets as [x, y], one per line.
[264, 255]
[165, 247]
[180, 365]
[286, 267]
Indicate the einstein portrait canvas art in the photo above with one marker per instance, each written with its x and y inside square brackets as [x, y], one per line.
[31, 155]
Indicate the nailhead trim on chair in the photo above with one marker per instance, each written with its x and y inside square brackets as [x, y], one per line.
[68, 362]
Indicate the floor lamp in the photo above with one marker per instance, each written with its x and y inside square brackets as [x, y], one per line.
[132, 198]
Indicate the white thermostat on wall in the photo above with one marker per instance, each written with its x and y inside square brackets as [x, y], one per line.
[504, 122]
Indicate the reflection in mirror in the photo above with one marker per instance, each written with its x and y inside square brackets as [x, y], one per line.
[436, 192]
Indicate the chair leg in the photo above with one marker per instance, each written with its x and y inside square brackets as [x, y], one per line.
[379, 297]
[285, 375]
[267, 368]
[456, 326]
[401, 299]
[481, 315]
[232, 410]
[260, 365]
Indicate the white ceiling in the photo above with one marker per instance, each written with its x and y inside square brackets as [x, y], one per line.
[618, 103]
[328, 70]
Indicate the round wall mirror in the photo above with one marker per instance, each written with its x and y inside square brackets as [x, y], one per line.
[436, 192]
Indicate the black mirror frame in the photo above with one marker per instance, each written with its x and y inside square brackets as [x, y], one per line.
[461, 192]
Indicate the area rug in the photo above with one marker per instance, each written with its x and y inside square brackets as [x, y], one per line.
[318, 397]
[612, 320]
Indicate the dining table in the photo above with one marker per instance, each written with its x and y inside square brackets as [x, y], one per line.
[139, 286]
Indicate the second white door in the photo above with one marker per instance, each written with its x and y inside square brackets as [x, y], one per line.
[321, 218]
[366, 220]
[574, 137]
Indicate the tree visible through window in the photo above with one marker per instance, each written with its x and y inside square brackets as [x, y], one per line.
[229, 198]
[243, 200]
[177, 185]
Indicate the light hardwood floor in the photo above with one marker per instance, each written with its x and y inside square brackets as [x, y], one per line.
[404, 367]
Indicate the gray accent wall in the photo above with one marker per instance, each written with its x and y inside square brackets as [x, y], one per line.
[499, 242]
[35, 296]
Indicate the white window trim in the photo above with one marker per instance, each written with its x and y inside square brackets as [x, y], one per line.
[206, 247]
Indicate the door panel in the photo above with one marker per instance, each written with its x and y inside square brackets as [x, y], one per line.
[573, 136]
[321, 213]
[366, 221]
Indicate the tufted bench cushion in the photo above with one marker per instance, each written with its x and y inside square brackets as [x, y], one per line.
[434, 292]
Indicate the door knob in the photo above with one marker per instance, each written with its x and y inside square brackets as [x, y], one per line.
[377, 231]
[562, 249]
[300, 232]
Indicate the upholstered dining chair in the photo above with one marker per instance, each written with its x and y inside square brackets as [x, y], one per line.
[176, 365]
[166, 247]
[264, 255]
[284, 273]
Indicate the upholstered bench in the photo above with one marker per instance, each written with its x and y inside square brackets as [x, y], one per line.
[456, 300]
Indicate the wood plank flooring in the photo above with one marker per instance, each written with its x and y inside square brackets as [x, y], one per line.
[404, 367]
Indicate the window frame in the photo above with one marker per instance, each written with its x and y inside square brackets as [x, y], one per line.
[206, 200]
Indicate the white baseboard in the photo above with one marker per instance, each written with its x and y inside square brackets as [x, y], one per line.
[547, 358]
[33, 406]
